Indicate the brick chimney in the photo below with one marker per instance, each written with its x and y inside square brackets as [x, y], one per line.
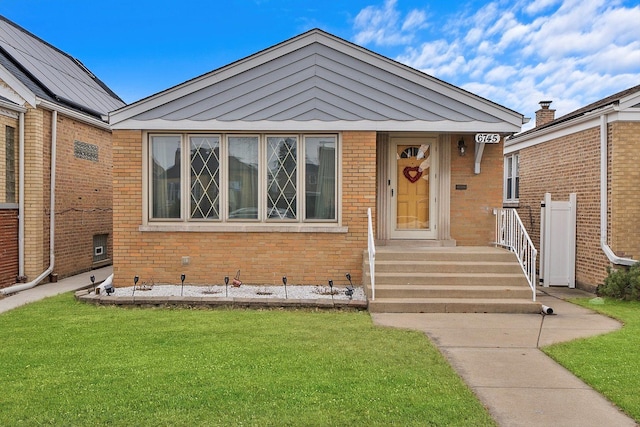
[544, 115]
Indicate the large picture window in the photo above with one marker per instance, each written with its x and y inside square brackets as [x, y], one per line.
[243, 178]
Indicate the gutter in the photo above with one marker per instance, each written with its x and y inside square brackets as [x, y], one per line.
[52, 222]
[613, 258]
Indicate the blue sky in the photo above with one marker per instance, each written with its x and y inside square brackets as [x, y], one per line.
[514, 52]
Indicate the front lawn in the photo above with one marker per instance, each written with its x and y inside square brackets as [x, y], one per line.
[609, 363]
[68, 363]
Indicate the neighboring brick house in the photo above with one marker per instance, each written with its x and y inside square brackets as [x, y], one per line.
[584, 152]
[268, 166]
[50, 101]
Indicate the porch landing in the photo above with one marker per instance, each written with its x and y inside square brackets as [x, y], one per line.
[461, 279]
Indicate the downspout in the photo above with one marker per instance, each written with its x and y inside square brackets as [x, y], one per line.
[52, 222]
[21, 196]
[613, 258]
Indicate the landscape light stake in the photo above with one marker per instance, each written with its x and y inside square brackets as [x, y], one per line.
[331, 290]
[284, 280]
[135, 282]
[182, 277]
[350, 288]
[226, 286]
[93, 282]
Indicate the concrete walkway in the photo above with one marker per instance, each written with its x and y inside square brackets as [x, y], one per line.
[497, 355]
[68, 284]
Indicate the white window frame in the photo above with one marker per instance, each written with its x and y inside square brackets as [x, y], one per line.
[224, 223]
[511, 178]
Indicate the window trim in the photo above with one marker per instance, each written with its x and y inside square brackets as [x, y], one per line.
[224, 223]
[515, 182]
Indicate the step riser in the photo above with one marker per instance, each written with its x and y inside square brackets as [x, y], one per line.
[445, 257]
[453, 293]
[452, 307]
[396, 280]
[447, 268]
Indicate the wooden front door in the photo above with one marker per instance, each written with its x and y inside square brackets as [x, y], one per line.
[412, 175]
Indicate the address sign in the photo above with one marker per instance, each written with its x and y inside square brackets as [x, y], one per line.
[487, 138]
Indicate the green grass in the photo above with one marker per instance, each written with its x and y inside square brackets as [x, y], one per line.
[68, 363]
[609, 363]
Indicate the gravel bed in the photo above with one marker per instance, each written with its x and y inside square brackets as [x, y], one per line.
[244, 291]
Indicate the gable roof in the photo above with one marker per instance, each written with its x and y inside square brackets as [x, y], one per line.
[50, 74]
[613, 100]
[316, 81]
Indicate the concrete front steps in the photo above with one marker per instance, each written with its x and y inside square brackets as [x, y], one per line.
[448, 280]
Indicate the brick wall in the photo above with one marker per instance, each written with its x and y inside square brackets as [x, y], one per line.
[83, 194]
[570, 164]
[263, 258]
[8, 247]
[8, 215]
[472, 219]
[625, 195]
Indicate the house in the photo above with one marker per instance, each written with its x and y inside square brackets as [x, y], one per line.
[55, 210]
[269, 165]
[592, 153]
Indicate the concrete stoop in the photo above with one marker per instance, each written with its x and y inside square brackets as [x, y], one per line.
[448, 280]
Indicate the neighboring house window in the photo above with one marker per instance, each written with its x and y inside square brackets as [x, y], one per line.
[512, 178]
[244, 178]
[10, 163]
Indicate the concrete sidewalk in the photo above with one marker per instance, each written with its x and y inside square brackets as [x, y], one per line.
[68, 284]
[497, 355]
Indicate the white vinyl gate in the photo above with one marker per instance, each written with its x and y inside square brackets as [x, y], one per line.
[558, 242]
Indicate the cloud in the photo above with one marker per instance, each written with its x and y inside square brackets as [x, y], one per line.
[384, 26]
[573, 52]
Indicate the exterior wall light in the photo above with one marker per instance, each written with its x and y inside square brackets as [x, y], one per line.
[462, 147]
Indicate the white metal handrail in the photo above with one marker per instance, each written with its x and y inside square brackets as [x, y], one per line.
[371, 248]
[510, 233]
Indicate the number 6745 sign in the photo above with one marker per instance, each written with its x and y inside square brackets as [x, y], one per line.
[488, 138]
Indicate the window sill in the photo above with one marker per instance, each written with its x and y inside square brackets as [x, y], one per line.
[244, 228]
[511, 204]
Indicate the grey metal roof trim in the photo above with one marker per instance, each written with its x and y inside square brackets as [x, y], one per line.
[273, 55]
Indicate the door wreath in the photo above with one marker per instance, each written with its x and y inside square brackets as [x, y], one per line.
[412, 173]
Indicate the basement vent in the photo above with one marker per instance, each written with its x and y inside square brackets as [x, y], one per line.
[85, 151]
[100, 247]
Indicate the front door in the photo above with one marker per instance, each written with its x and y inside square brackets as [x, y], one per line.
[412, 188]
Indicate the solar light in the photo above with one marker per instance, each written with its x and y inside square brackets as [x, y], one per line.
[93, 282]
[182, 277]
[349, 292]
[135, 282]
[284, 281]
[331, 289]
[109, 289]
[226, 284]
[350, 288]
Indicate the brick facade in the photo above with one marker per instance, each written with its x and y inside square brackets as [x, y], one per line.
[472, 218]
[571, 164]
[263, 258]
[624, 175]
[8, 247]
[83, 196]
[8, 208]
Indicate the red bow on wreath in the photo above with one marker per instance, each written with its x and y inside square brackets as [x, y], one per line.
[417, 173]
